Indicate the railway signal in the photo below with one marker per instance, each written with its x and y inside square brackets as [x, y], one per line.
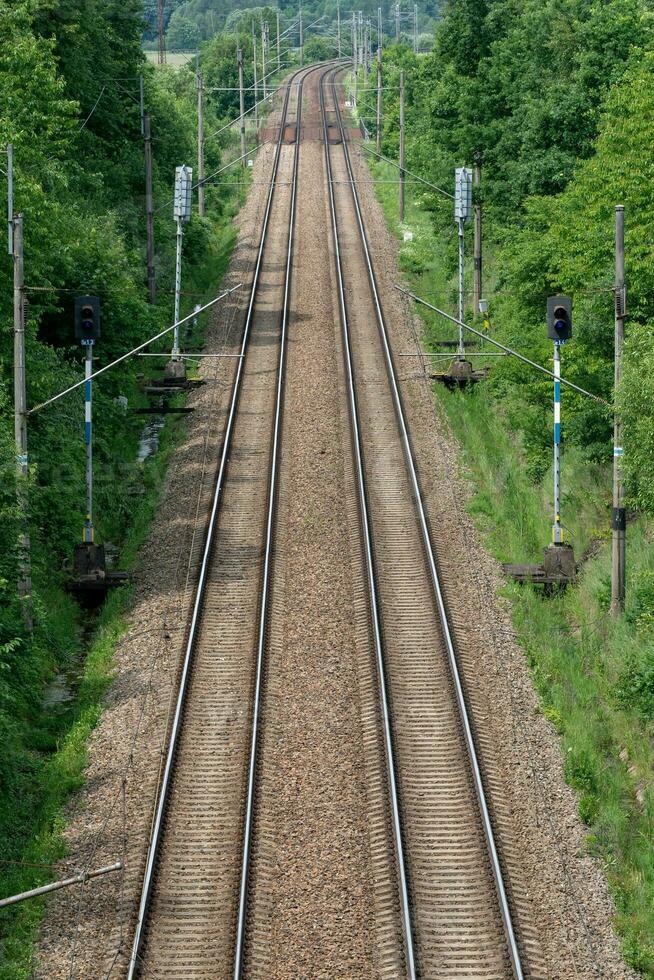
[462, 213]
[559, 557]
[559, 318]
[175, 369]
[87, 331]
[90, 580]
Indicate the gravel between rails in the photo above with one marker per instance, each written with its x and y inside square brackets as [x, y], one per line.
[572, 910]
[310, 908]
[86, 930]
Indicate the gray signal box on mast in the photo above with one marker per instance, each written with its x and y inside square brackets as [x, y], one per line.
[462, 194]
[183, 193]
[175, 370]
[462, 213]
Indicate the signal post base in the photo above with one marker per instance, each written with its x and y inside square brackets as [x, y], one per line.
[90, 581]
[558, 570]
[460, 375]
[175, 371]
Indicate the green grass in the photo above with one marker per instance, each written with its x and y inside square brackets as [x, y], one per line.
[594, 675]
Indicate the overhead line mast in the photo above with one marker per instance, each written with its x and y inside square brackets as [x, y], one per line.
[161, 37]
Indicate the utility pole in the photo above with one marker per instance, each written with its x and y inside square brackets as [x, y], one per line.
[20, 424]
[149, 208]
[142, 102]
[415, 28]
[477, 283]
[338, 25]
[379, 98]
[402, 148]
[10, 198]
[263, 57]
[279, 52]
[239, 60]
[379, 29]
[200, 85]
[397, 23]
[619, 522]
[355, 67]
[161, 36]
[256, 84]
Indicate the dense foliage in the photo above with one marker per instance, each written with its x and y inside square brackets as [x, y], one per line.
[70, 105]
[190, 22]
[554, 101]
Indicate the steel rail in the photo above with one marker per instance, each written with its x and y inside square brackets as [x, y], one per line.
[156, 834]
[405, 905]
[496, 867]
[241, 922]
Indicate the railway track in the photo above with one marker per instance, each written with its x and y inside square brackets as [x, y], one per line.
[457, 918]
[197, 861]
[441, 907]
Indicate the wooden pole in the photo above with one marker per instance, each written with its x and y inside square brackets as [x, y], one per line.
[161, 35]
[256, 84]
[149, 208]
[239, 59]
[401, 146]
[619, 522]
[200, 85]
[263, 58]
[379, 98]
[338, 25]
[279, 54]
[20, 425]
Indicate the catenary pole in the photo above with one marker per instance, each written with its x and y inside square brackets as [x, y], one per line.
[20, 424]
[161, 35]
[239, 59]
[402, 152]
[149, 208]
[477, 282]
[355, 66]
[10, 198]
[256, 83]
[263, 58]
[619, 522]
[397, 23]
[200, 87]
[279, 50]
[338, 25]
[379, 98]
[301, 38]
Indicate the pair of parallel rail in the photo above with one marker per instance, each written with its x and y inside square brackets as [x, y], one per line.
[331, 146]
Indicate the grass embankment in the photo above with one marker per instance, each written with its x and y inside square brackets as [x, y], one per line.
[54, 757]
[594, 675]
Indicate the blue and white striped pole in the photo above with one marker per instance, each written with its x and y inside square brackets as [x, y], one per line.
[88, 439]
[557, 532]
